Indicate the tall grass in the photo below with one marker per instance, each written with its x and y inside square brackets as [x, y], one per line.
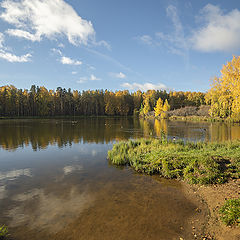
[197, 163]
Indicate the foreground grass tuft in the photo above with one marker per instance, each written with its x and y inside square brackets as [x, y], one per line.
[230, 212]
[197, 163]
[3, 232]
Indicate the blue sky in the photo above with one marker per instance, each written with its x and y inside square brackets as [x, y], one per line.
[92, 44]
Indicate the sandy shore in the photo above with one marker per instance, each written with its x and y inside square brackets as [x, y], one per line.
[214, 197]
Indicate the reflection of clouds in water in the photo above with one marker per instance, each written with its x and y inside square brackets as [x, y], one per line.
[69, 169]
[92, 149]
[12, 175]
[2, 192]
[94, 153]
[75, 157]
[51, 212]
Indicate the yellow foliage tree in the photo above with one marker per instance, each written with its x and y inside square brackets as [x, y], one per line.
[146, 106]
[159, 107]
[224, 95]
[166, 107]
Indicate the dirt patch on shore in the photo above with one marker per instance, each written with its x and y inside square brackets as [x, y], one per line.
[214, 196]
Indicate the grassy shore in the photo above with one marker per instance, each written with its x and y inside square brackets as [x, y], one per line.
[203, 119]
[197, 163]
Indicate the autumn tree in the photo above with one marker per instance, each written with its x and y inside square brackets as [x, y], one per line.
[159, 107]
[224, 95]
[146, 106]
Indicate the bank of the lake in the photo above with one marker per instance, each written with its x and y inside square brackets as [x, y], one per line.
[212, 169]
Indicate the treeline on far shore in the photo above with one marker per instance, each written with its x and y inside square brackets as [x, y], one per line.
[39, 101]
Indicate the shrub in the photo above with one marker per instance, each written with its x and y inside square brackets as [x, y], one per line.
[230, 212]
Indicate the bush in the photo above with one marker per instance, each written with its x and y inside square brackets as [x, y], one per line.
[230, 212]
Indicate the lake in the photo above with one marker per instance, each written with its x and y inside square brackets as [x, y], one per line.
[56, 182]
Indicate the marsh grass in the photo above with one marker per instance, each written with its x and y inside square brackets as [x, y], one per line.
[230, 212]
[197, 163]
[3, 232]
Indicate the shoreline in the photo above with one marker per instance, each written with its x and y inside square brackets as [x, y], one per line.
[209, 172]
[214, 196]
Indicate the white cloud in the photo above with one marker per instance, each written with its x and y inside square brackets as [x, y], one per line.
[61, 45]
[57, 51]
[103, 43]
[146, 39]
[1, 39]
[69, 61]
[73, 73]
[10, 57]
[23, 34]
[82, 80]
[144, 87]
[91, 78]
[13, 58]
[35, 19]
[175, 42]
[118, 75]
[221, 32]
[94, 78]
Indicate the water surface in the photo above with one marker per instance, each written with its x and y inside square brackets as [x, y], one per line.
[56, 182]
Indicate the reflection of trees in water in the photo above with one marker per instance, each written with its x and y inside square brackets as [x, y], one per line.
[153, 127]
[224, 132]
[160, 126]
[42, 133]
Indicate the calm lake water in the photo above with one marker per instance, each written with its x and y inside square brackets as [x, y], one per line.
[56, 182]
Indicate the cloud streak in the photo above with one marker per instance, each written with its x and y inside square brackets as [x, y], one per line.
[145, 86]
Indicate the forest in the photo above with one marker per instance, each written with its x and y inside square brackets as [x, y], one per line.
[39, 101]
[223, 98]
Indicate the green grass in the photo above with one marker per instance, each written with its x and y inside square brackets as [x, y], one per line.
[3, 232]
[197, 163]
[230, 212]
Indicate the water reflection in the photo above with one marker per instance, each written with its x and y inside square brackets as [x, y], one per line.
[13, 174]
[42, 133]
[55, 181]
[39, 134]
[40, 210]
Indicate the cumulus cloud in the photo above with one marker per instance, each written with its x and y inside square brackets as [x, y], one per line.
[69, 61]
[144, 87]
[10, 57]
[35, 19]
[94, 78]
[220, 32]
[86, 79]
[118, 75]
